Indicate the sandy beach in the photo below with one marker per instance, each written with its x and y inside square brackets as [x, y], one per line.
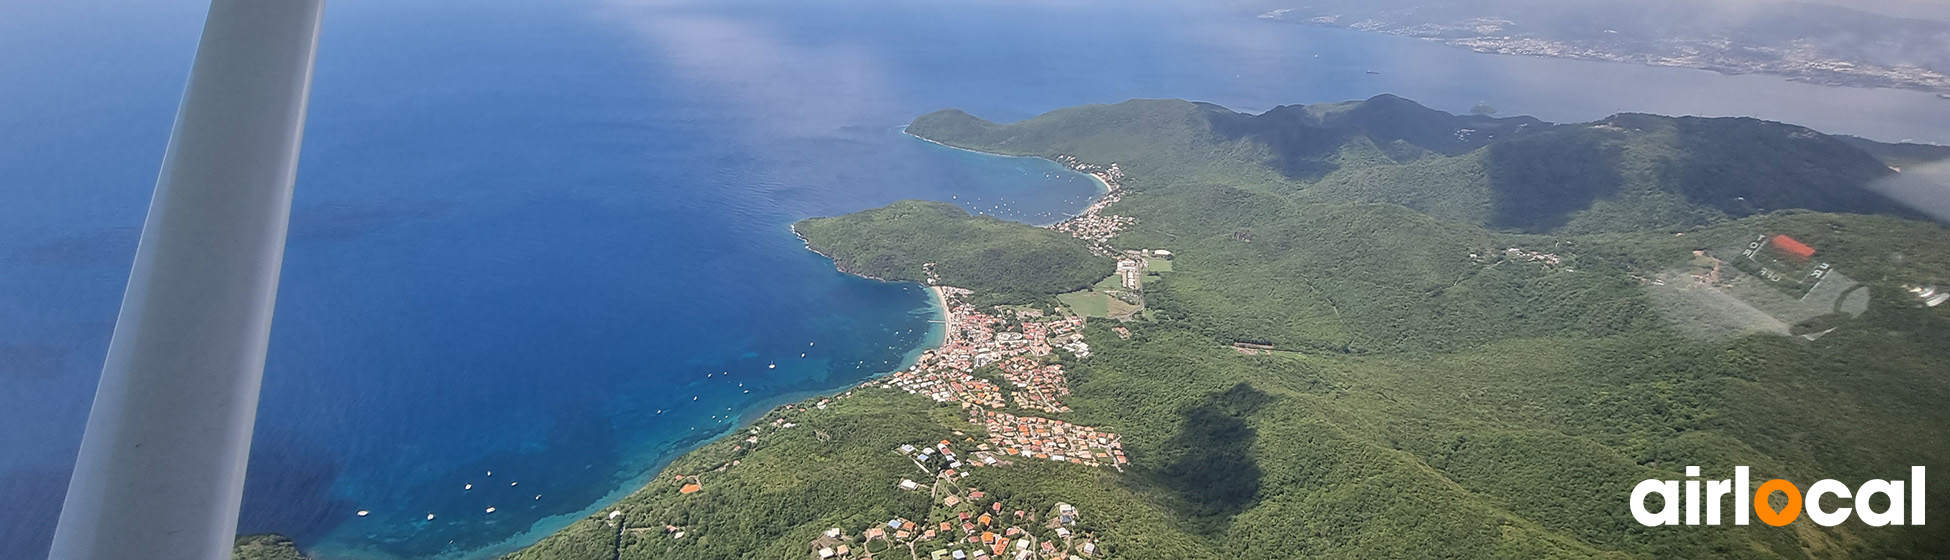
[940, 304]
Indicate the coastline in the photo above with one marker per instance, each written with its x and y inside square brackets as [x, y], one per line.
[1103, 187]
[744, 418]
[941, 314]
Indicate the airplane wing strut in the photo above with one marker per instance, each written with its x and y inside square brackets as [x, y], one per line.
[161, 469]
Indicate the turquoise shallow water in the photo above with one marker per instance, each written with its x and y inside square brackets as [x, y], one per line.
[549, 240]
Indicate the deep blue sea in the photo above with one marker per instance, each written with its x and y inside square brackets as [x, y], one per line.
[548, 239]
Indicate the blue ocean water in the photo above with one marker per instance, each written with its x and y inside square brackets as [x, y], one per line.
[548, 240]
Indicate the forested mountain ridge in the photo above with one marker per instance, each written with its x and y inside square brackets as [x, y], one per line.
[1628, 172]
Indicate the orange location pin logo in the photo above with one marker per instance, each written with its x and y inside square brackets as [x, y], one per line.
[1768, 514]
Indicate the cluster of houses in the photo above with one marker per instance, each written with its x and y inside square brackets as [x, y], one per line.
[1041, 337]
[966, 523]
[945, 384]
[976, 339]
[1038, 385]
[1110, 174]
[1093, 224]
[965, 536]
[963, 524]
[1054, 440]
[1096, 227]
[945, 375]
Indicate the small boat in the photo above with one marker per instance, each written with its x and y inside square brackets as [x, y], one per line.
[490, 510]
[429, 517]
[1374, 72]
[363, 513]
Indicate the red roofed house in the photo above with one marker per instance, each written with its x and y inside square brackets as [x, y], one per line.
[1791, 247]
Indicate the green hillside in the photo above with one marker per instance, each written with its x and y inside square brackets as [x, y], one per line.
[1628, 172]
[1005, 261]
[1479, 345]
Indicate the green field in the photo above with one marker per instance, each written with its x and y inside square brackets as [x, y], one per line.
[1086, 303]
[1090, 303]
[1112, 282]
[1158, 265]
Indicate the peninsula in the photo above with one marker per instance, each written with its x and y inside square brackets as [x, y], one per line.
[1353, 330]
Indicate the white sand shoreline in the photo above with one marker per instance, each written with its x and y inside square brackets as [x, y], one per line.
[940, 305]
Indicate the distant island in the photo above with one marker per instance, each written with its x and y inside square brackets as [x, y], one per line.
[1808, 42]
[1354, 330]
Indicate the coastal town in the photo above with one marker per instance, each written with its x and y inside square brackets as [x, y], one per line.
[1093, 225]
[976, 339]
[962, 522]
[990, 361]
[1014, 341]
